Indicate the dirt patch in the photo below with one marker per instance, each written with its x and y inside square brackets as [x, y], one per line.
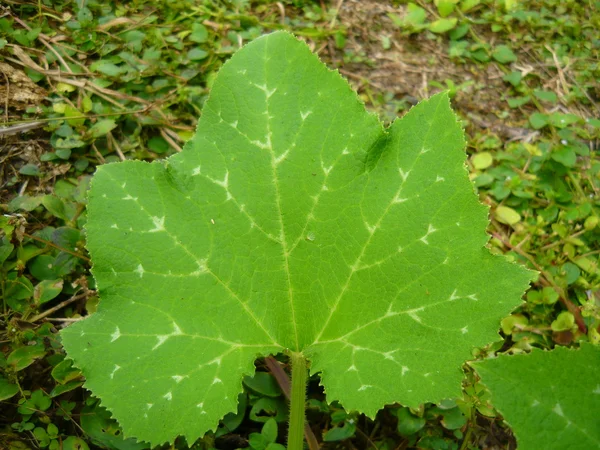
[17, 91]
[406, 69]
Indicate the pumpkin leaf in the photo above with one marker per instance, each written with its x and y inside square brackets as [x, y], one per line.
[551, 399]
[292, 220]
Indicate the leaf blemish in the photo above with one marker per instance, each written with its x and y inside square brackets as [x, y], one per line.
[116, 335]
[159, 224]
[112, 374]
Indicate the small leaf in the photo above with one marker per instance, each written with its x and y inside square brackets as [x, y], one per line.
[503, 54]
[197, 54]
[158, 145]
[549, 398]
[408, 423]
[74, 443]
[108, 68]
[442, 25]
[23, 357]
[346, 431]
[518, 101]
[445, 7]
[507, 215]
[7, 389]
[46, 290]
[101, 128]
[467, 5]
[24, 202]
[69, 386]
[104, 431]
[199, 33]
[547, 96]
[482, 160]
[30, 169]
[64, 372]
[263, 383]
[509, 323]
[591, 222]
[453, 419]
[538, 120]
[269, 430]
[269, 408]
[564, 321]
[513, 78]
[565, 155]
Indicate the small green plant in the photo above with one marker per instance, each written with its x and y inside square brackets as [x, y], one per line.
[284, 227]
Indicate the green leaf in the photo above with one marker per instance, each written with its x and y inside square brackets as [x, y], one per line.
[565, 321]
[538, 120]
[24, 202]
[46, 290]
[158, 145]
[547, 96]
[408, 423]
[23, 357]
[518, 101]
[107, 68]
[7, 389]
[74, 443]
[565, 155]
[104, 431]
[269, 430]
[30, 169]
[445, 7]
[551, 399]
[64, 372]
[199, 33]
[285, 224]
[339, 433]
[482, 160]
[507, 215]
[513, 78]
[467, 5]
[442, 25]
[263, 383]
[101, 128]
[197, 54]
[503, 54]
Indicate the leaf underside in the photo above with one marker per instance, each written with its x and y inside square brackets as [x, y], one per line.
[551, 399]
[292, 220]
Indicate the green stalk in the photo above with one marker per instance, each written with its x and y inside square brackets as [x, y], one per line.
[297, 401]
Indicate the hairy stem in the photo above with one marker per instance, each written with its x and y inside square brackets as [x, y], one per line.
[297, 401]
[283, 380]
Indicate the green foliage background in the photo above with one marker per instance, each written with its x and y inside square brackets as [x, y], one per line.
[127, 80]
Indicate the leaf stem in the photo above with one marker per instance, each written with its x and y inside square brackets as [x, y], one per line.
[297, 401]
[283, 380]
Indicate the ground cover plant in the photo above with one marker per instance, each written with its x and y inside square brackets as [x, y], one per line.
[106, 82]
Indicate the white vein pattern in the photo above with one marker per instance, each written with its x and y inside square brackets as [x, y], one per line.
[201, 262]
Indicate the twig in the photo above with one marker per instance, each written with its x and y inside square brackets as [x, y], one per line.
[59, 306]
[50, 244]
[7, 95]
[63, 319]
[22, 128]
[116, 146]
[169, 139]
